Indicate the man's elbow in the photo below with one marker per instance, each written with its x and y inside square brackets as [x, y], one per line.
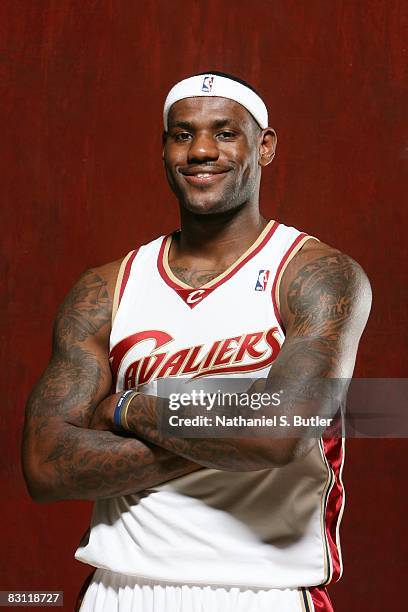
[39, 482]
[40, 495]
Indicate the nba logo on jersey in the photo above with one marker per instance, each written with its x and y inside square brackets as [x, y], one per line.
[262, 281]
[207, 84]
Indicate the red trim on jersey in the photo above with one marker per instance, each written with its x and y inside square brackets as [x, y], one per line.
[126, 274]
[192, 297]
[321, 599]
[333, 450]
[282, 263]
[184, 292]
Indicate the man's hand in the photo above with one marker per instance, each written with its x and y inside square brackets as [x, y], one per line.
[102, 417]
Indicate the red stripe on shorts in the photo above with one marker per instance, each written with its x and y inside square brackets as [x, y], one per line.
[321, 599]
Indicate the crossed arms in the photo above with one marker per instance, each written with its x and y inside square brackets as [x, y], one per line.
[71, 449]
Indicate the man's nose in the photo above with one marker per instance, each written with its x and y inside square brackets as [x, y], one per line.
[203, 147]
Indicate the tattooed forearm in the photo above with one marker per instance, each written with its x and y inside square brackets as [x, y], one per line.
[89, 464]
[221, 453]
[77, 463]
[240, 453]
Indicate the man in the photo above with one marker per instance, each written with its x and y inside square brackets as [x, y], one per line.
[203, 523]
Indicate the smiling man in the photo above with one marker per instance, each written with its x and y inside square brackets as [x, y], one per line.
[200, 523]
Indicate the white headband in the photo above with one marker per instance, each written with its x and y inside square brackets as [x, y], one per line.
[209, 85]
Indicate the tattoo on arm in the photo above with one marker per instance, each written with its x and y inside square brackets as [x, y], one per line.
[89, 464]
[321, 301]
[69, 386]
[67, 389]
[68, 460]
[217, 453]
[84, 312]
[321, 296]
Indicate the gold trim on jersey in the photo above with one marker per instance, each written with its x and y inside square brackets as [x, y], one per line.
[221, 276]
[167, 267]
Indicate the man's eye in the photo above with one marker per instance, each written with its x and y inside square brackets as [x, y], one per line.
[181, 136]
[226, 134]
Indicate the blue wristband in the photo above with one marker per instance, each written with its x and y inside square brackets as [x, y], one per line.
[118, 409]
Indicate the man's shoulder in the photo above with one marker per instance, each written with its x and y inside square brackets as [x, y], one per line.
[316, 255]
[320, 274]
[91, 297]
[108, 272]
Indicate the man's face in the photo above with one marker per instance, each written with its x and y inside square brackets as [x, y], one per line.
[211, 154]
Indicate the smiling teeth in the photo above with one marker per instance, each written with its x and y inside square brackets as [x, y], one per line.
[203, 175]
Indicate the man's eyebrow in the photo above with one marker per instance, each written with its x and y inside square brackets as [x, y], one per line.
[220, 123]
[216, 124]
[181, 124]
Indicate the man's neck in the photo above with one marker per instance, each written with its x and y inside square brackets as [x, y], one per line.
[207, 246]
[218, 237]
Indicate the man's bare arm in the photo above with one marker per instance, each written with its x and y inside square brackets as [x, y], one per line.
[62, 458]
[325, 301]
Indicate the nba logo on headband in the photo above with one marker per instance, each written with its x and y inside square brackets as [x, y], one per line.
[207, 84]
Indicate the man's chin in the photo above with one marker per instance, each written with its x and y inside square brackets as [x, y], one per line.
[206, 207]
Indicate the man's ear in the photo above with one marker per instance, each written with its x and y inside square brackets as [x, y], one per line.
[267, 146]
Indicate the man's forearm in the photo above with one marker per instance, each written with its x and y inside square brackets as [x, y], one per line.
[242, 453]
[88, 464]
[231, 454]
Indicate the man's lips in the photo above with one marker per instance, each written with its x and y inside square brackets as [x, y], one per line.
[208, 176]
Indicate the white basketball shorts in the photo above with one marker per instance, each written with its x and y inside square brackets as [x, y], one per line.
[111, 592]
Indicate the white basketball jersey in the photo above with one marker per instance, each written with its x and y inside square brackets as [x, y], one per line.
[271, 528]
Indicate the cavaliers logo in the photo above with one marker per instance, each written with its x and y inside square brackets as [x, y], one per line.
[239, 354]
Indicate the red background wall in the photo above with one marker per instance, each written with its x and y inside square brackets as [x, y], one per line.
[82, 86]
